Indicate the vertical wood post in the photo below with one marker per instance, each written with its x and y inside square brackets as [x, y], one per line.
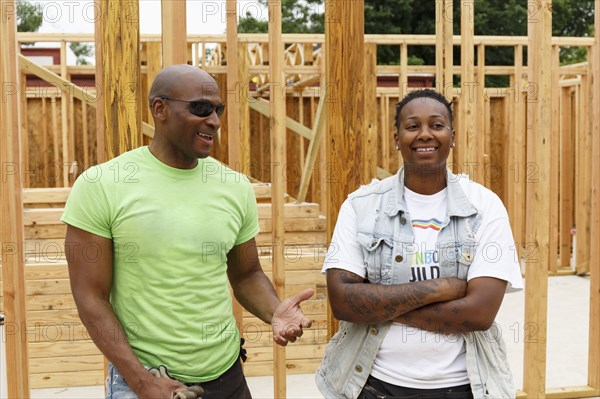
[466, 139]
[443, 47]
[594, 343]
[538, 193]
[99, 21]
[119, 68]
[153, 66]
[11, 215]
[278, 136]
[369, 156]
[554, 165]
[567, 154]
[234, 84]
[174, 32]
[345, 136]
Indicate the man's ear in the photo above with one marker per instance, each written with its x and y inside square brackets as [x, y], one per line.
[159, 108]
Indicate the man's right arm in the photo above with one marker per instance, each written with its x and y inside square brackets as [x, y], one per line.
[91, 283]
[352, 299]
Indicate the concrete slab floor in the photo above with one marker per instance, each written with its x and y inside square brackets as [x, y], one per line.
[567, 338]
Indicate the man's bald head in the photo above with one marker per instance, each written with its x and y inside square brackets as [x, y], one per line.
[177, 80]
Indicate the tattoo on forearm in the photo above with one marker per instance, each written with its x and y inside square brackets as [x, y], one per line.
[375, 300]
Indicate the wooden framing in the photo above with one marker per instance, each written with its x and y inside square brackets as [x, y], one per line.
[538, 195]
[278, 133]
[174, 32]
[119, 68]
[11, 211]
[369, 155]
[520, 175]
[344, 60]
[594, 343]
[443, 47]
[466, 137]
[554, 163]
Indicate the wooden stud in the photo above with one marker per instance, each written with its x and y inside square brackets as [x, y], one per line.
[64, 114]
[24, 130]
[174, 32]
[234, 84]
[119, 68]
[344, 61]
[369, 150]
[582, 221]
[45, 122]
[477, 146]
[302, 150]
[566, 177]
[99, 21]
[278, 133]
[244, 109]
[56, 158]
[443, 47]
[518, 164]
[11, 222]
[594, 343]
[555, 163]
[466, 138]
[313, 148]
[538, 194]
[153, 66]
[85, 133]
[384, 141]
[403, 76]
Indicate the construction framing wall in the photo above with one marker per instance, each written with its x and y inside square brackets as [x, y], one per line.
[537, 146]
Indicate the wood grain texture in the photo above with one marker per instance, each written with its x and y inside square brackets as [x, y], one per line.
[120, 71]
[174, 32]
[11, 209]
[278, 170]
[539, 136]
[345, 135]
[594, 344]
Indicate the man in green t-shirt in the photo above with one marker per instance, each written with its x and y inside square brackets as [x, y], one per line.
[153, 238]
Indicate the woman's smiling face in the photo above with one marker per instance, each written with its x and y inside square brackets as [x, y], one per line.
[425, 135]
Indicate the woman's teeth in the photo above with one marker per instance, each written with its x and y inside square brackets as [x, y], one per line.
[425, 149]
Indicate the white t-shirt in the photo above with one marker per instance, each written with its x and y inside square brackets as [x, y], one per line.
[409, 356]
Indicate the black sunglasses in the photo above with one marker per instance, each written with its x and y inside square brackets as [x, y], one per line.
[200, 108]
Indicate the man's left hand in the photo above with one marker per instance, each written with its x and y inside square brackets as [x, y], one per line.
[289, 320]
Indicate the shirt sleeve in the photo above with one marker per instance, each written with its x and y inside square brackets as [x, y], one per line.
[87, 207]
[496, 253]
[250, 226]
[344, 251]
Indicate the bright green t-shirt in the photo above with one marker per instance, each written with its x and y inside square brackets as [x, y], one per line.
[171, 231]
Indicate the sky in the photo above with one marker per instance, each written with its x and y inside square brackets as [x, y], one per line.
[203, 16]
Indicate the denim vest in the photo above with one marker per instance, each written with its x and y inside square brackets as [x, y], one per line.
[386, 237]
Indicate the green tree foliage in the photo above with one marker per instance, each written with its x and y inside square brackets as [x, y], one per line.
[297, 16]
[82, 51]
[29, 16]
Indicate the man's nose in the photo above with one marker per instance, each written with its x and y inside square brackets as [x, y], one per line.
[213, 120]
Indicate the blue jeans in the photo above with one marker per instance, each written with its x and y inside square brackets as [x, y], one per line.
[232, 384]
[116, 387]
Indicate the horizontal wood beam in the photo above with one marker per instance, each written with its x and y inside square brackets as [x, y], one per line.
[425, 40]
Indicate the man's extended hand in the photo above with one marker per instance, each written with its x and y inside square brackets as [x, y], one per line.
[288, 319]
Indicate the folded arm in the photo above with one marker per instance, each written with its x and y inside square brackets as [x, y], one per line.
[353, 299]
[475, 312]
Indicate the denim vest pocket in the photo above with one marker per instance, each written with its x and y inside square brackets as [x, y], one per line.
[377, 254]
[465, 258]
